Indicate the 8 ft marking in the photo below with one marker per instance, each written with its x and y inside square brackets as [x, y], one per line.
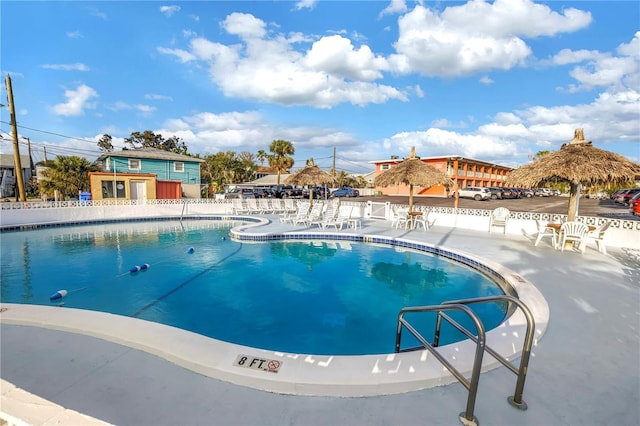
[255, 363]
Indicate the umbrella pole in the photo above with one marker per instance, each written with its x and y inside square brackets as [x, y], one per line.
[311, 196]
[410, 198]
[574, 192]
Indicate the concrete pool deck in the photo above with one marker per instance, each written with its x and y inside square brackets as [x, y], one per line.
[584, 370]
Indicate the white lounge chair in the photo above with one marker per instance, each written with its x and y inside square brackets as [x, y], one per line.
[342, 218]
[315, 213]
[545, 231]
[499, 218]
[301, 212]
[329, 215]
[574, 232]
[264, 206]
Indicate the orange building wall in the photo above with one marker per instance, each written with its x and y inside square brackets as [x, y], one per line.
[463, 172]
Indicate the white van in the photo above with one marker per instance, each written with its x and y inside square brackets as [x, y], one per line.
[476, 192]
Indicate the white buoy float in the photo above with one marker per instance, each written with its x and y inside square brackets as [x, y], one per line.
[138, 268]
[58, 295]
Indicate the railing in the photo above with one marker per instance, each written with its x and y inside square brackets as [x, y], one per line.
[467, 417]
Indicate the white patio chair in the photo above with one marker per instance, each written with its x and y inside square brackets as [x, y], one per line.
[400, 217]
[597, 236]
[574, 232]
[421, 220]
[499, 218]
[545, 231]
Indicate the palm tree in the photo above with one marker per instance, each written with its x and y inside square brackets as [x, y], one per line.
[67, 175]
[261, 156]
[280, 160]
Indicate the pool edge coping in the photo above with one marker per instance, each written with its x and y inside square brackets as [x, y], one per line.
[317, 375]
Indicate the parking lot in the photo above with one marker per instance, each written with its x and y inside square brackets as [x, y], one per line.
[587, 207]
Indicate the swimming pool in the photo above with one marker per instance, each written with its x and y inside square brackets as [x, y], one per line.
[312, 297]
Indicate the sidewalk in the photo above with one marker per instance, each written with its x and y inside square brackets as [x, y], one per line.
[585, 370]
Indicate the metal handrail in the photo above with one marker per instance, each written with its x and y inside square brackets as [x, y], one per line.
[521, 371]
[471, 385]
[467, 417]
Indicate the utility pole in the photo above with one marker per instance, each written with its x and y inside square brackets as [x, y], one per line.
[16, 148]
[333, 170]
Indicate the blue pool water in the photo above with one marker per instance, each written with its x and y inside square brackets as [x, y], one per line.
[315, 297]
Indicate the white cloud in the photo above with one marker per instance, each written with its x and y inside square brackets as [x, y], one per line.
[248, 131]
[270, 69]
[485, 79]
[66, 67]
[245, 26]
[305, 4]
[74, 34]
[77, 101]
[337, 56]
[157, 97]
[476, 36]
[168, 11]
[394, 7]
[595, 69]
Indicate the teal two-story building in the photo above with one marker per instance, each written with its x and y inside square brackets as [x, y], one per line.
[146, 173]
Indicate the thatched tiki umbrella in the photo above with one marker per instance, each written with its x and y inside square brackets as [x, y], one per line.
[577, 163]
[412, 171]
[310, 175]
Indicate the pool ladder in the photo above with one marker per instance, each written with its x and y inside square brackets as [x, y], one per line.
[467, 417]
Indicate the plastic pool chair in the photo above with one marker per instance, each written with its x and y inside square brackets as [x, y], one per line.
[597, 235]
[499, 218]
[544, 231]
[575, 232]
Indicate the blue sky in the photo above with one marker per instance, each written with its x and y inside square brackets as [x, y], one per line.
[496, 81]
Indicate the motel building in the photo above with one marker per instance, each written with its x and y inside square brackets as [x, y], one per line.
[463, 171]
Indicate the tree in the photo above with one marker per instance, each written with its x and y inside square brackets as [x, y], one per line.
[280, 160]
[261, 156]
[67, 175]
[224, 168]
[149, 139]
[105, 144]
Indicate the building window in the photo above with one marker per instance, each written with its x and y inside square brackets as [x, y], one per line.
[109, 188]
[384, 167]
[134, 164]
[178, 166]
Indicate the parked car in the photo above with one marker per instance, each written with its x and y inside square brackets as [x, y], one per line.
[511, 193]
[634, 204]
[319, 192]
[528, 193]
[543, 192]
[345, 192]
[628, 195]
[286, 191]
[619, 196]
[476, 192]
[240, 193]
[263, 193]
[616, 193]
[496, 193]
